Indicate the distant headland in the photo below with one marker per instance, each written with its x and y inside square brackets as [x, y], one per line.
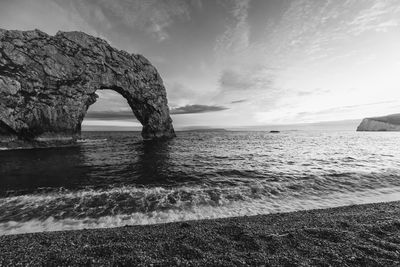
[384, 123]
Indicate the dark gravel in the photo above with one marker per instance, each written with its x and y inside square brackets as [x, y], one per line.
[364, 235]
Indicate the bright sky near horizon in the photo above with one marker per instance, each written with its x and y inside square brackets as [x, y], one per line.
[241, 62]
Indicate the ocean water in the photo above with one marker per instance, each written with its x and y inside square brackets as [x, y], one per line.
[114, 178]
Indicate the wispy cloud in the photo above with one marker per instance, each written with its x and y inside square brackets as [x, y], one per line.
[250, 83]
[315, 91]
[239, 101]
[262, 59]
[234, 80]
[110, 115]
[28, 15]
[377, 16]
[179, 94]
[151, 16]
[128, 114]
[191, 109]
[338, 109]
[237, 34]
[111, 123]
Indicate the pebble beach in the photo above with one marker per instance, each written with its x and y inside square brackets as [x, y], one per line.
[360, 235]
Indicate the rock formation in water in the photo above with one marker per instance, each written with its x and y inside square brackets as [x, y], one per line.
[48, 82]
[385, 123]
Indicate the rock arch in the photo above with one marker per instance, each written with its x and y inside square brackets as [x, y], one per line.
[48, 82]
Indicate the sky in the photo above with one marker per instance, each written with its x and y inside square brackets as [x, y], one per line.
[239, 63]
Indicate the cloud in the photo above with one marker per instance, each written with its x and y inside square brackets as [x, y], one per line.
[239, 101]
[247, 78]
[102, 17]
[190, 109]
[151, 16]
[179, 94]
[110, 115]
[354, 111]
[28, 15]
[115, 123]
[318, 28]
[109, 101]
[232, 80]
[237, 34]
[267, 55]
[379, 16]
[315, 91]
[255, 84]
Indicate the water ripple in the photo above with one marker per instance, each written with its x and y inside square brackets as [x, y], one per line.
[112, 179]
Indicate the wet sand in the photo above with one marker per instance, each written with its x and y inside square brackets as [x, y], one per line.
[363, 235]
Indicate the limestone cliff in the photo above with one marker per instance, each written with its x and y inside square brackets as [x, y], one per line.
[385, 123]
[48, 82]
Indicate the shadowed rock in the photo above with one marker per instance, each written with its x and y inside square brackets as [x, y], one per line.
[48, 82]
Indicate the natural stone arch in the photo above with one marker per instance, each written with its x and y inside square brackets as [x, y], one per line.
[48, 82]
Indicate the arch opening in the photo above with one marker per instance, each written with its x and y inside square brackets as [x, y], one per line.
[47, 99]
[110, 112]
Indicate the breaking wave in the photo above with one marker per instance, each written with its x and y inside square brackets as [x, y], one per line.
[137, 206]
[114, 179]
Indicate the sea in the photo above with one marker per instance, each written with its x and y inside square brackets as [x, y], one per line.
[112, 179]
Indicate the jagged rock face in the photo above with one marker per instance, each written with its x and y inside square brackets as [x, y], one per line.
[48, 82]
[385, 123]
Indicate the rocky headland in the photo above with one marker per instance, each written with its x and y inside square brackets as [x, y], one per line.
[48, 82]
[384, 123]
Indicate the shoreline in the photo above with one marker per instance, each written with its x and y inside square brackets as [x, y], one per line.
[367, 234]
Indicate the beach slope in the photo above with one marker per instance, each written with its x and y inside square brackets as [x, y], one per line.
[362, 235]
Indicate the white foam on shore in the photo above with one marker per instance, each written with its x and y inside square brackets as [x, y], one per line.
[13, 148]
[238, 208]
[79, 141]
[91, 141]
